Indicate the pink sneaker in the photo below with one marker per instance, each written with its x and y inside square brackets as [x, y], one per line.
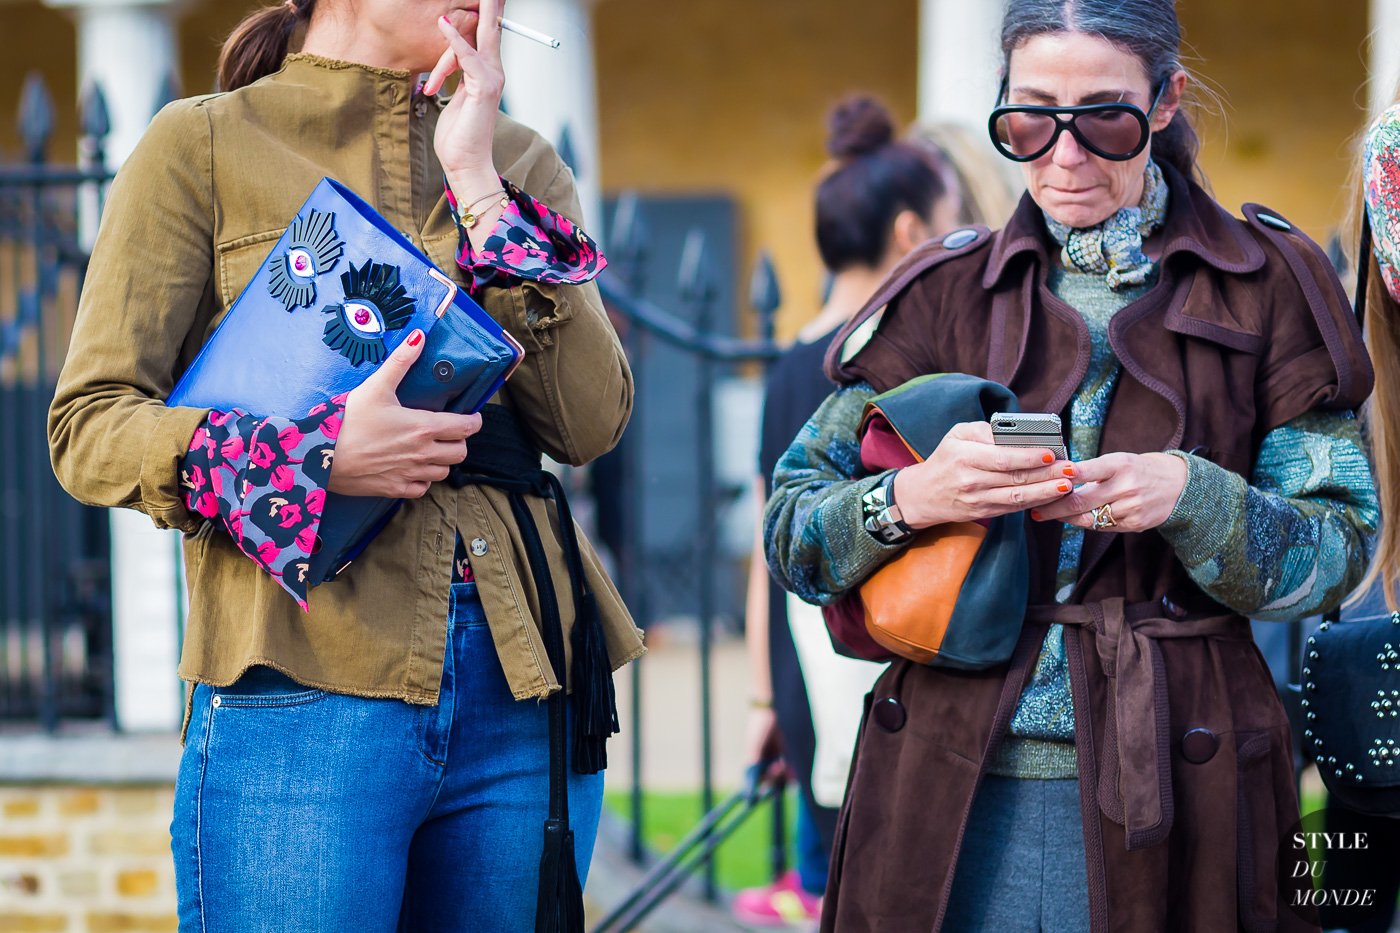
[780, 904]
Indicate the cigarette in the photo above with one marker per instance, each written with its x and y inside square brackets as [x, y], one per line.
[529, 33]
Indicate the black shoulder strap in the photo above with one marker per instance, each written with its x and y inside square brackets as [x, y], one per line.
[1363, 268]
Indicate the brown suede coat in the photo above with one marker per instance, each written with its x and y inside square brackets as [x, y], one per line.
[1247, 328]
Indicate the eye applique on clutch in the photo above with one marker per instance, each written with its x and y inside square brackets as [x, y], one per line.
[313, 249]
[375, 304]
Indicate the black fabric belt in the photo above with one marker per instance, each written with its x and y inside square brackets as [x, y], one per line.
[503, 456]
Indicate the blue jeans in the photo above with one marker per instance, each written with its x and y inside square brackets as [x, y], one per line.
[813, 859]
[298, 810]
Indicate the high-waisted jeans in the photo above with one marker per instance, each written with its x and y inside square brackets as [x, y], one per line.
[298, 810]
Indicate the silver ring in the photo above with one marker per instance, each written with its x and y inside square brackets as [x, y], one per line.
[1103, 517]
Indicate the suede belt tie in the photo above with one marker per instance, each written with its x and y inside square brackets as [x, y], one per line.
[1135, 776]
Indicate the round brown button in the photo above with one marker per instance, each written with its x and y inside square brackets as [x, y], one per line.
[889, 714]
[1198, 746]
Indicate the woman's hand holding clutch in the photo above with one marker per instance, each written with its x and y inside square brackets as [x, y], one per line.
[390, 451]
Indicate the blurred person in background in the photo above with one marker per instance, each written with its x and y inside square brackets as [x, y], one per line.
[1130, 767]
[879, 198]
[1377, 178]
[372, 755]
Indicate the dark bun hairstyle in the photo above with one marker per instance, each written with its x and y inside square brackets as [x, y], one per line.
[857, 126]
[875, 179]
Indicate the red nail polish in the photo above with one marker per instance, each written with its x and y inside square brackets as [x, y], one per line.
[416, 339]
[1047, 458]
[1069, 471]
[447, 21]
[1035, 514]
[1063, 487]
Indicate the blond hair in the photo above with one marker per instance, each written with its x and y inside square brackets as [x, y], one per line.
[1382, 333]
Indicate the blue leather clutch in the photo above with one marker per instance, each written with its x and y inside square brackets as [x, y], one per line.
[338, 292]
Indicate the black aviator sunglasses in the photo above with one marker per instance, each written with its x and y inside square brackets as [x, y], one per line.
[1116, 131]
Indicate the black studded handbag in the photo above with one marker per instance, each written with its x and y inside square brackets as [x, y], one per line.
[1351, 683]
[1351, 702]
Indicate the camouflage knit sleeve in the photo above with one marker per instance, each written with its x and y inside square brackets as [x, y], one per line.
[1301, 530]
[813, 533]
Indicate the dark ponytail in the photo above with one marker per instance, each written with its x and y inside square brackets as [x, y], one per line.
[258, 44]
[875, 178]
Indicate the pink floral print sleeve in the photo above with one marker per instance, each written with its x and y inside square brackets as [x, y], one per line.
[529, 242]
[263, 480]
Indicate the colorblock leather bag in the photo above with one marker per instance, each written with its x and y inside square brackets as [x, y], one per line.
[956, 595]
[338, 292]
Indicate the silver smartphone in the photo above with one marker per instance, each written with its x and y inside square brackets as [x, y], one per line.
[1029, 429]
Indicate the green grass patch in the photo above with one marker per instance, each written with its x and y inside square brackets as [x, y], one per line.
[745, 859]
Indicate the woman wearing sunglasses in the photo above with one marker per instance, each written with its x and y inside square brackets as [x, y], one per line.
[1130, 767]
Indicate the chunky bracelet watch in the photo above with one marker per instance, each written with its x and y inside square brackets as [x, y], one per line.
[882, 516]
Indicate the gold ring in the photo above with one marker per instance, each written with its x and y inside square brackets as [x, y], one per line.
[1103, 517]
[499, 20]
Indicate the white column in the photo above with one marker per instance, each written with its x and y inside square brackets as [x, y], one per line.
[1384, 54]
[548, 89]
[129, 48]
[959, 58]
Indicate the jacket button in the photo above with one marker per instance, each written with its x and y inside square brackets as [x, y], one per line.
[959, 238]
[889, 714]
[479, 546]
[1172, 609]
[1198, 746]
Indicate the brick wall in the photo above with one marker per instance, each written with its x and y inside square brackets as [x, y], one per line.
[95, 859]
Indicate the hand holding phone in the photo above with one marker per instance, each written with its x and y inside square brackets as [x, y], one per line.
[1030, 429]
[974, 474]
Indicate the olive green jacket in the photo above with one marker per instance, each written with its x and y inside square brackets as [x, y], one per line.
[191, 215]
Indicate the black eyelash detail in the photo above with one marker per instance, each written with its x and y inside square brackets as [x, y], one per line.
[314, 233]
[377, 285]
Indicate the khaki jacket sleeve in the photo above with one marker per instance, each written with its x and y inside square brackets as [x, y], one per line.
[112, 440]
[574, 387]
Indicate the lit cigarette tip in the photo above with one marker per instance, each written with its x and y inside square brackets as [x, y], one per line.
[529, 33]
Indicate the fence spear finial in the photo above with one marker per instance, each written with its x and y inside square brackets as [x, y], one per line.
[567, 152]
[169, 90]
[764, 294]
[35, 116]
[696, 279]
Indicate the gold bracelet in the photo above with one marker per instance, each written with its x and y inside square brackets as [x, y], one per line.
[756, 703]
[470, 217]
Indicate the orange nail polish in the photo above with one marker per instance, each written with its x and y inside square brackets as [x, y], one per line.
[416, 339]
[1069, 471]
[1047, 458]
[1063, 487]
[1035, 514]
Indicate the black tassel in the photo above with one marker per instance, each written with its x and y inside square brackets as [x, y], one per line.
[559, 904]
[595, 702]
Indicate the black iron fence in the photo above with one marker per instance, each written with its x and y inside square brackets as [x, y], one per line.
[55, 593]
[689, 329]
